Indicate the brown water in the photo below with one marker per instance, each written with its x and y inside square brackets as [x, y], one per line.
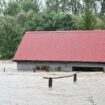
[27, 88]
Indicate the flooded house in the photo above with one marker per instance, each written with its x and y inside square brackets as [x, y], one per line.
[62, 51]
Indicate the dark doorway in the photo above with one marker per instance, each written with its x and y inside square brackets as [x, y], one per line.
[88, 69]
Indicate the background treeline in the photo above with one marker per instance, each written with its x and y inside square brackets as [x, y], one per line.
[19, 16]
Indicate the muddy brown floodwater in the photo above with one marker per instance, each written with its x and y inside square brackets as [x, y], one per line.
[29, 88]
[26, 88]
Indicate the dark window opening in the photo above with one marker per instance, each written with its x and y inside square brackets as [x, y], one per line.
[42, 67]
[88, 69]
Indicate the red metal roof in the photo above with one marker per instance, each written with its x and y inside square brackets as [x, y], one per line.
[79, 46]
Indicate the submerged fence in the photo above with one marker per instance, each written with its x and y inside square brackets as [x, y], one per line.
[50, 79]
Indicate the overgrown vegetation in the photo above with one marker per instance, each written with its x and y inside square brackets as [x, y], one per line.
[19, 16]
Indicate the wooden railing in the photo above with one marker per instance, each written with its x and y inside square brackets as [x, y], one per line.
[50, 79]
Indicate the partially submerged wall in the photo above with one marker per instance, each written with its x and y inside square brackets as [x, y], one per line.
[57, 66]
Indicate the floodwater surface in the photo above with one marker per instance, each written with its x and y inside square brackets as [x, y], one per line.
[29, 88]
[26, 88]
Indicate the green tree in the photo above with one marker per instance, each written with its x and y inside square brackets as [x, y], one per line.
[77, 22]
[28, 20]
[10, 35]
[89, 19]
[48, 21]
[102, 3]
[30, 5]
[11, 8]
[56, 21]
[71, 6]
[64, 22]
[53, 5]
[21, 18]
[76, 7]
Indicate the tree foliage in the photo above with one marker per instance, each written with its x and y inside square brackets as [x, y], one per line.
[19, 16]
[89, 19]
[10, 35]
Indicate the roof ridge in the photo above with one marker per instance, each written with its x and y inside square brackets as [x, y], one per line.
[65, 31]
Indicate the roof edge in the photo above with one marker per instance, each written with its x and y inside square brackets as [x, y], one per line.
[64, 31]
[57, 61]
